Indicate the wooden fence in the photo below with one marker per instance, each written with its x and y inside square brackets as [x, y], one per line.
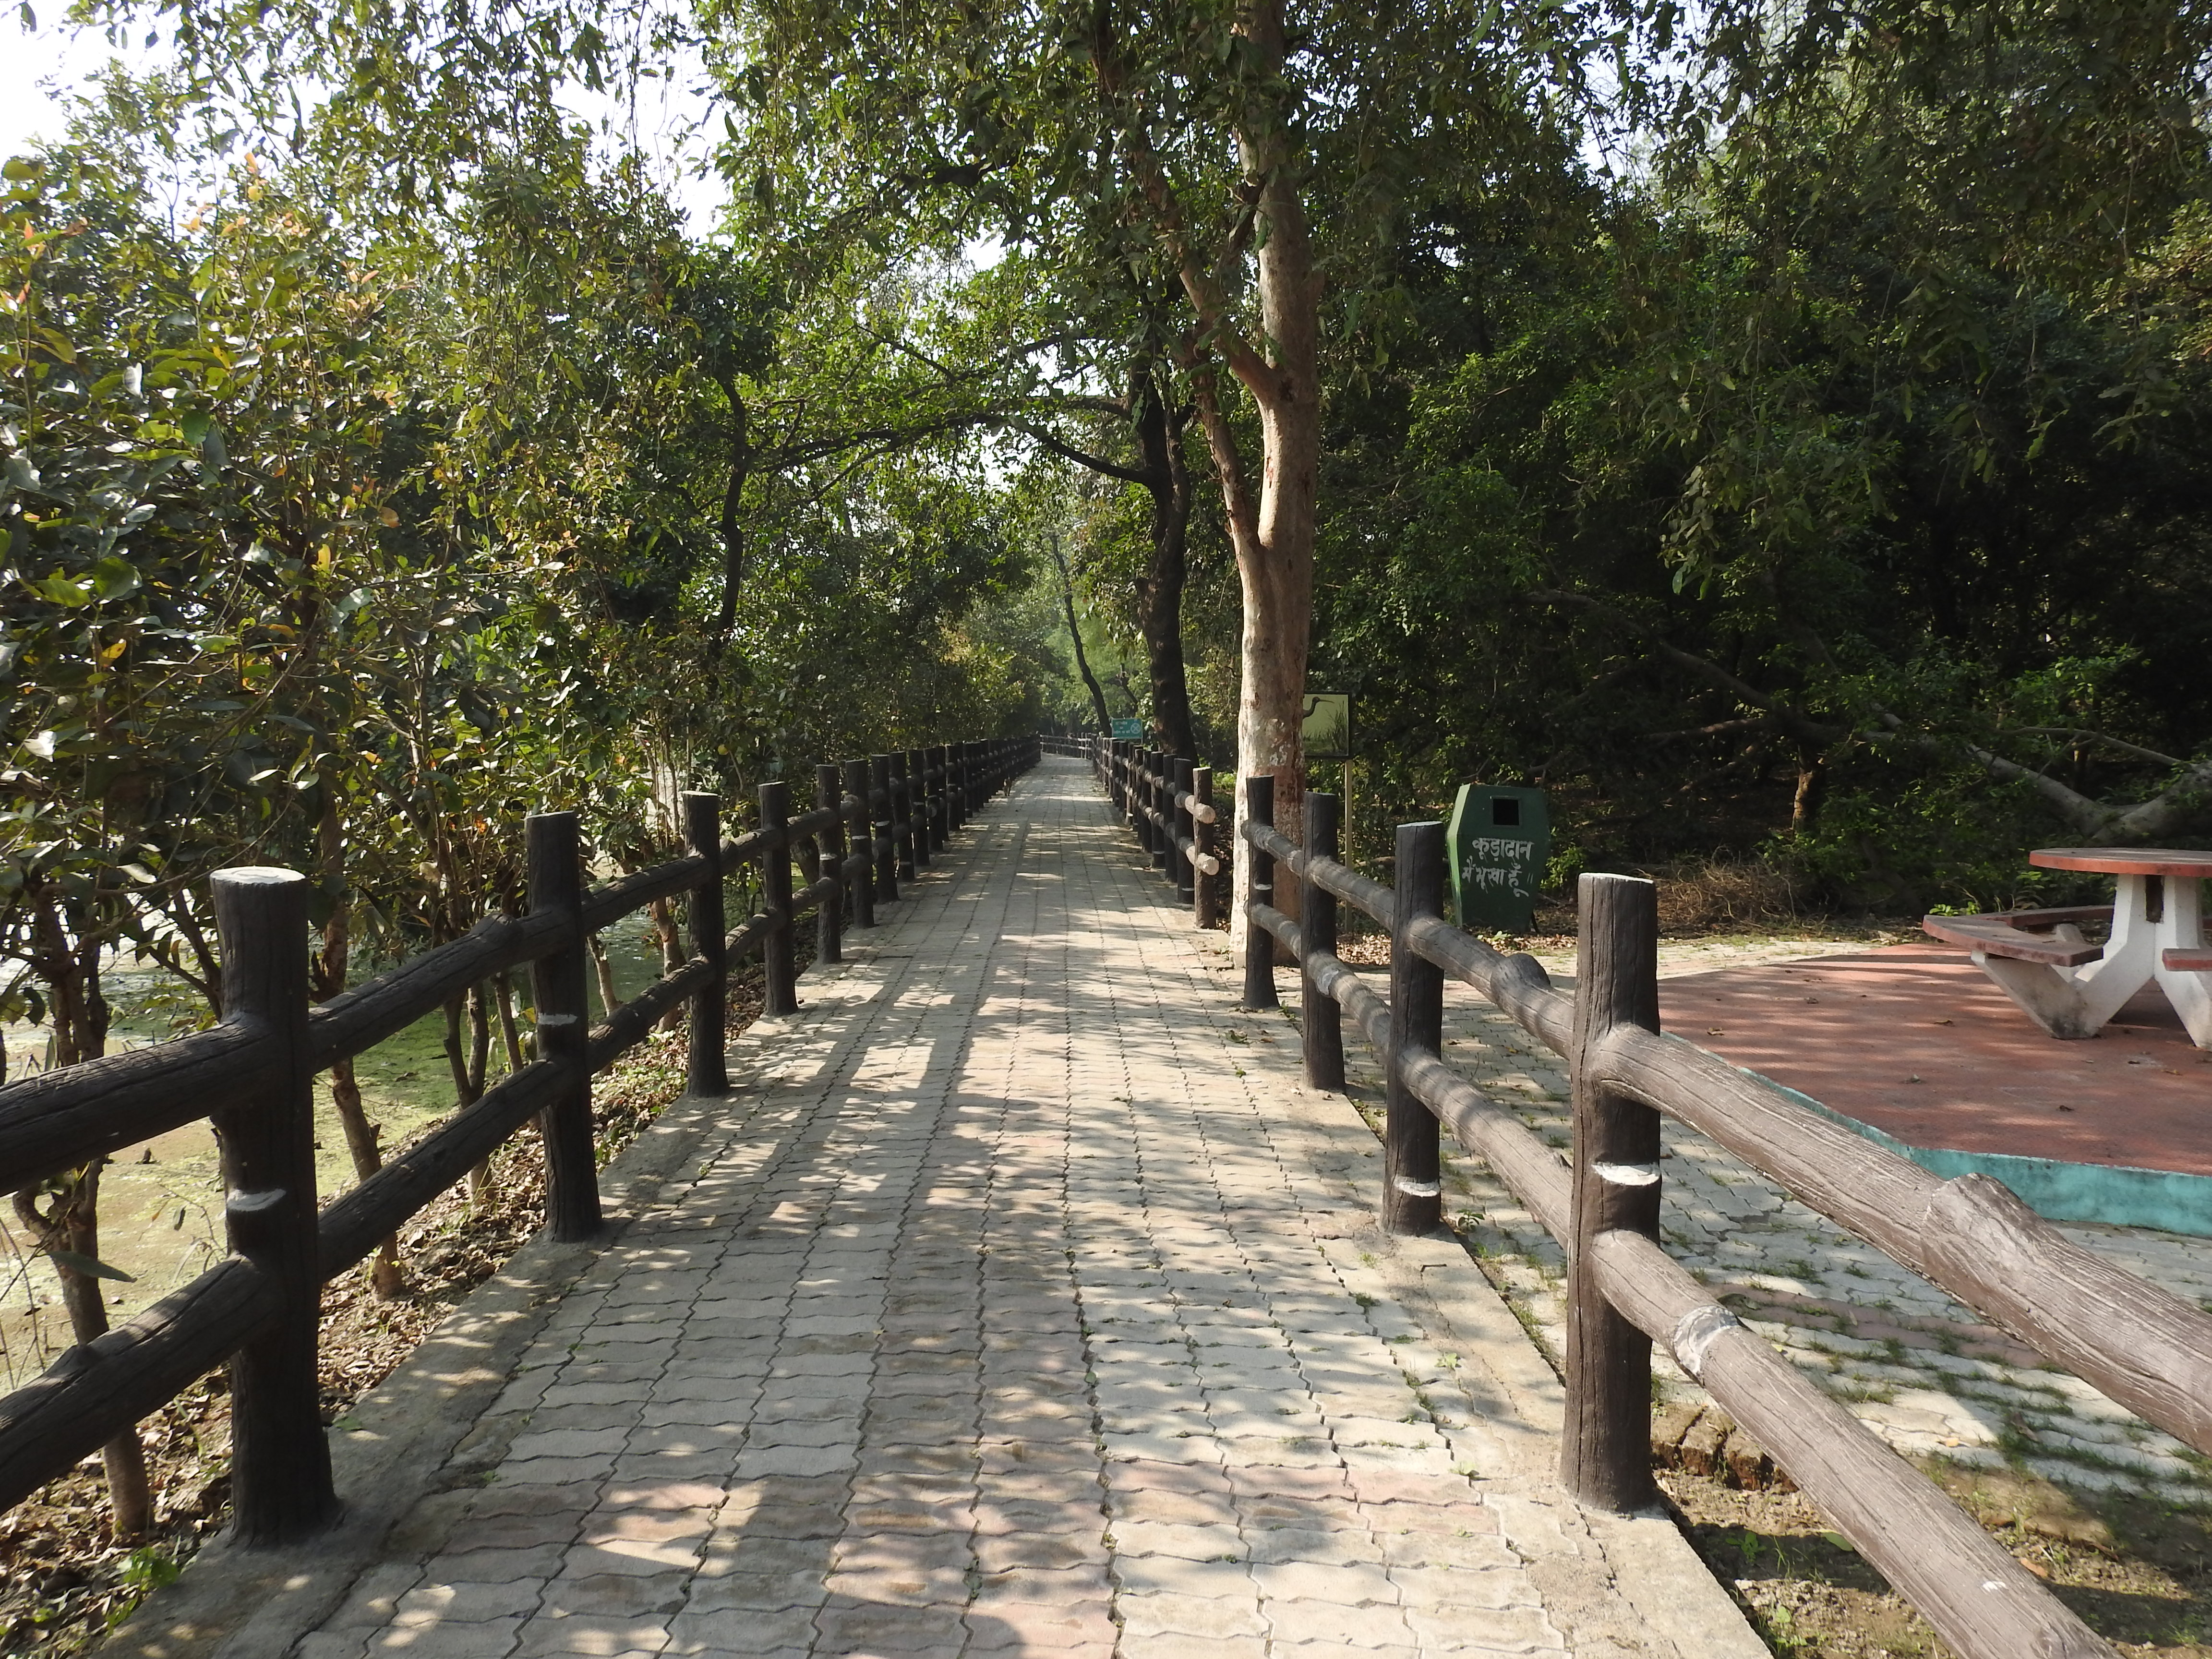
[2144, 1347]
[873, 824]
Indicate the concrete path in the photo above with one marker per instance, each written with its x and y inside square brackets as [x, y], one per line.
[1021, 1301]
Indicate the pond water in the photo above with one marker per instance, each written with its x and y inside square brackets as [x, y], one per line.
[162, 1202]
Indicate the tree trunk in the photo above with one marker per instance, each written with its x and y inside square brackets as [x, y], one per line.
[732, 524]
[70, 1222]
[1273, 534]
[603, 971]
[1075, 638]
[365, 1146]
[672, 955]
[66, 955]
[510, 1037]
[1159, 591]
[329, 969]
[1805, 802]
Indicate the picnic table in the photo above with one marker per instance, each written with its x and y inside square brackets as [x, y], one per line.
[2071, 987]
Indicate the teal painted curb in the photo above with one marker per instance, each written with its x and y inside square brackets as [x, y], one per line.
[2117, 1194]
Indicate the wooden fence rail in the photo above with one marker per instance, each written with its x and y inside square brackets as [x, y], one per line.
[253, 1075]
[2143, 1345]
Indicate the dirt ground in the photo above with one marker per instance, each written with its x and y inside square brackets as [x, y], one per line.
[2137, 1572]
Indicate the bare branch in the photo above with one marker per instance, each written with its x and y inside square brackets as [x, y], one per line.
[1784, 716]
[1083, 457]
[2074, 734]
[1227, 459]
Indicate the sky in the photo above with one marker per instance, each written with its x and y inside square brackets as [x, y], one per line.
[38, 68]
[26, 59]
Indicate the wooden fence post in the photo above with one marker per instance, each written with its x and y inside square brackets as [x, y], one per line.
[924, 807]
[281, 1488]
[1133, 762]
[1205, 892]
[830, 913]
[1413, 1190]
[1259, 943]
[860, 837]
[1320, 1021]
[1186, 872]
[940, 796]
[902, 813]
[707, 1070]
[1605, 1458]
[884, 807]
[1165, 806]
[955, 767]
[782, 994]
[556, 991]
[917, 772]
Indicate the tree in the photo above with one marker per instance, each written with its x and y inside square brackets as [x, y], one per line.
[1257, 167]
[1075, 639]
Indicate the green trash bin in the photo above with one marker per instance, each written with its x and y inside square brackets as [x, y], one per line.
[1498, 842]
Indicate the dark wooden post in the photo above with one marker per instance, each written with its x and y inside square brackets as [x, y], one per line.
[903, 811]
[1605, 1456]
[1205, 892]
[917, 815]
[861, 834]
[884, 807]
[924, 807]
[556, 989]
[830, 913]
[1412, 1191]
[1140, 798]
[281, 1489]
[1186, 872]
[707, 1071]
[782, 994]
[1321, 1021]
[956, 783]
[1259, 943]
[1160, 770]
[940, 796]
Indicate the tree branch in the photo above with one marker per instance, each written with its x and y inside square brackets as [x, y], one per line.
[2075, 733]
[1227, 459]
[1785, 717]
[1142, 475]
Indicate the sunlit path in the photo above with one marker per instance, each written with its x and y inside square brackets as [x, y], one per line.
[1022, 1303]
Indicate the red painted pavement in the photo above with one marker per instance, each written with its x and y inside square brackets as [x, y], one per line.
[1915, 1041]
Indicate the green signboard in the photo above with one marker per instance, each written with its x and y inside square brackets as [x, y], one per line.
[1498, 842]
[1132, 730]
[1325, 732]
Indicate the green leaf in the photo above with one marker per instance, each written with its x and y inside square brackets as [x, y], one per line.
[89, 1268]
[114, 578]
[62, 591]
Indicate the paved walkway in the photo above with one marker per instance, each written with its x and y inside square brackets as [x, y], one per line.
[1021, 1302]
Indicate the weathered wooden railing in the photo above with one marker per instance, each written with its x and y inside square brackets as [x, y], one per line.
[1170, 807]
[2145, 1347]
[873, 822]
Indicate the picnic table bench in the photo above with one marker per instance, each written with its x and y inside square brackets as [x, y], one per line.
[2071, 987]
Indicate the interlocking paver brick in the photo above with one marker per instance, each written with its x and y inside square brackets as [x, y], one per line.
[1006, 1307]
